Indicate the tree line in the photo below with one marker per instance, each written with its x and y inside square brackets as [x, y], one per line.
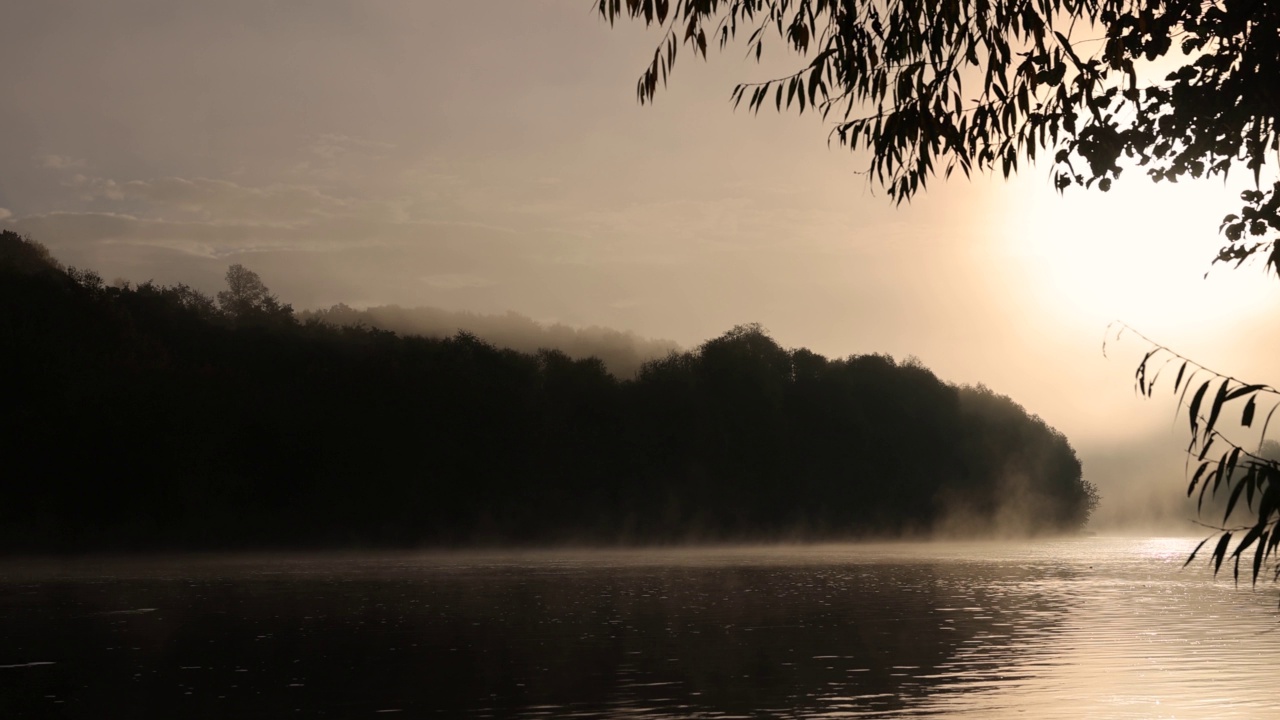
[1170, 89]
[623, 353]
[157, 417]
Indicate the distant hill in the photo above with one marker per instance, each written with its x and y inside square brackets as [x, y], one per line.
[623, 353]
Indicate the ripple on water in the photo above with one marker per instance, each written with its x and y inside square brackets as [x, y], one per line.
[1068, 629]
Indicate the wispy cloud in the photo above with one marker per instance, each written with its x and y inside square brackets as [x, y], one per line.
[456, 281]
[61, 162]
[219, 201]
[332, 146]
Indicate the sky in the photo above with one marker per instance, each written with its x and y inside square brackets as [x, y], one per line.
[491, 157]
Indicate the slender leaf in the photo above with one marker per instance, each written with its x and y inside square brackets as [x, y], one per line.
[1219, 398]
[1195, 479]
[1254, 533]
[1266, 423]
[1220, 551]
[1258, 553]
[1244, 390]
[1194, 409]
[1192, 556]
[1235, 496]
[1177, 381]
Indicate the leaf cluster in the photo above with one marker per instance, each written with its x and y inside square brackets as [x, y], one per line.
[929, 86]
[1216, 464]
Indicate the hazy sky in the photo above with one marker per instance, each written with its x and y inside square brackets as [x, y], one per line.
[492, 157]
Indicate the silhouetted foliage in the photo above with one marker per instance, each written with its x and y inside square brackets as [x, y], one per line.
[1230, 458]
[247, 300]
[1179, 87]
[151, 416]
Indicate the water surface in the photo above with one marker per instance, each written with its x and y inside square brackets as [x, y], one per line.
[1090, 627]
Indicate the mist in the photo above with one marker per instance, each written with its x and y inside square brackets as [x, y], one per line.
[1142, 483]
[623, 352]
[1143, 487]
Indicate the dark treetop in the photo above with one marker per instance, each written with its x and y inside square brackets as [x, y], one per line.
[154, 417]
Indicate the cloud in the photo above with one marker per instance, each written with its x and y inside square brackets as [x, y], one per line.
[451, 241]
[60, 162]
[456, 281]
[331, 146]
[211, 217]
[343, 258]
[5, 214]
[220, 201]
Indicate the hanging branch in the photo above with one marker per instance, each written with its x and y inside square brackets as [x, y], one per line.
[1215, 462]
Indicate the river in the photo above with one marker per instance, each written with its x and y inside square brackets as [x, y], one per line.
[1075, 628]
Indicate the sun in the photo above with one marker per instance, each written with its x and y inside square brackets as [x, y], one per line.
[1139, 253]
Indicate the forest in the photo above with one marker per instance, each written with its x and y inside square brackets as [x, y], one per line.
[150, 417]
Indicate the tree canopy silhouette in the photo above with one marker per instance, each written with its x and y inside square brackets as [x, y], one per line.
[1181, 88]
[153, 417]
[247, 299]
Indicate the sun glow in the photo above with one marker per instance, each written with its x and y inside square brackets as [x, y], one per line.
[1139, 254]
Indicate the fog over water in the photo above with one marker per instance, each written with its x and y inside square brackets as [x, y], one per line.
[1089, 627]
